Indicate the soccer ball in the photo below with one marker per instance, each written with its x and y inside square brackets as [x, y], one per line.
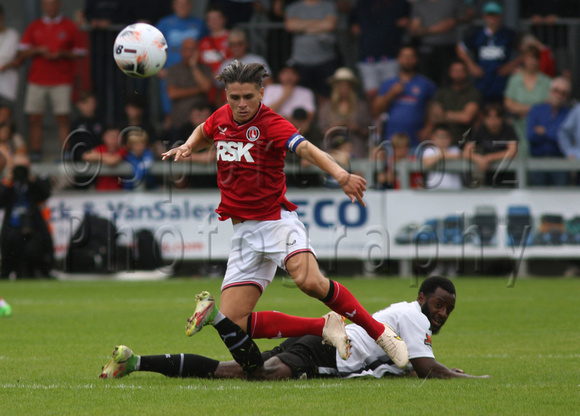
[140, 50]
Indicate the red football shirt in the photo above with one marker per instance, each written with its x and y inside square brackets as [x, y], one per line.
[250, 162]
[106, 182]
[214, 50]
[60, 34]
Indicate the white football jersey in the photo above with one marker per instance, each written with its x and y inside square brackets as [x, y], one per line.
[368, 359]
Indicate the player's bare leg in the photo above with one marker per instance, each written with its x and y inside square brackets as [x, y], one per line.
[238, 302]
[273, 369]
[231, 322]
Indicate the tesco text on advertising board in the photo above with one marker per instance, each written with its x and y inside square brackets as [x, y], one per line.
[330, 213]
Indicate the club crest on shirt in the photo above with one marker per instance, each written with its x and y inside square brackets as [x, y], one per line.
[253, 134]
[222, 130]
[428, 340]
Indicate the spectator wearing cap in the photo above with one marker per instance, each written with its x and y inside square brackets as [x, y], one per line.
[287, 95]
[544, 121]
[346, 113]
[489, 53]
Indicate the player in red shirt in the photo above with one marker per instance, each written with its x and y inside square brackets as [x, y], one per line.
[251, 142]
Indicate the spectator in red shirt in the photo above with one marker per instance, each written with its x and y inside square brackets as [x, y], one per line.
[52, 42]
[110, 153]
[214, 48]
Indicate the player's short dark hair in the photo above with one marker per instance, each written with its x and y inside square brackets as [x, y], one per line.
[252, 73]
[430, 285]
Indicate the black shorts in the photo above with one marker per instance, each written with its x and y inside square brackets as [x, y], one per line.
[306, 355]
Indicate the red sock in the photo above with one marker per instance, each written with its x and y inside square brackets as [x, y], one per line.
[279, 325]
[341, 301]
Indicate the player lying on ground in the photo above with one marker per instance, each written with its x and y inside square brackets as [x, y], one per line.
[251, 142]
[308, 357]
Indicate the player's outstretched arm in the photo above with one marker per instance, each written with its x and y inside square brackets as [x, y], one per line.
[196, 142]
[428, 367]
[352, 185]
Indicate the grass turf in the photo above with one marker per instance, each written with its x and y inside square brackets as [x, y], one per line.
[61, 333]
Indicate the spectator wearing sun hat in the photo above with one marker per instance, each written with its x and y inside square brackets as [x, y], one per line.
[346, 113]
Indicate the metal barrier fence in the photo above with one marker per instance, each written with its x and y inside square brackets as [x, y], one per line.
[404, 169]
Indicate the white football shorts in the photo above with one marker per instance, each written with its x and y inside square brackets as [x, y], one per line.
[258, 247]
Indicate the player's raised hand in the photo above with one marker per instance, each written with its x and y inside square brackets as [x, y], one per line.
[177, 153]
[354, 187]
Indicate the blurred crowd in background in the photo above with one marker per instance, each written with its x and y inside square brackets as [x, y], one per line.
[372, 82]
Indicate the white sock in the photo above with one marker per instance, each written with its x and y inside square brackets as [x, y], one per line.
[218, 318]
[2, 303]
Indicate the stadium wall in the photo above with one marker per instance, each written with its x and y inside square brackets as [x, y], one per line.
[397, 225]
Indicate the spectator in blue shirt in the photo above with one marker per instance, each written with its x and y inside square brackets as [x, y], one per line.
[489, 53]
[543, 122]
[141, 159]
[569, 136]
[406, 98]
[177, 27]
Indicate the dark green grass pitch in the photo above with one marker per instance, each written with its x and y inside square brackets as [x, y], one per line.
[61, 333]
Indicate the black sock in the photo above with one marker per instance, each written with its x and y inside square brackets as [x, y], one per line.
[330, 293]
[241, 346]
[179, 365]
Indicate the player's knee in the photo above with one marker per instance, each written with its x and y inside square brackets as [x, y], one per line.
[313, 286]
[307, 275]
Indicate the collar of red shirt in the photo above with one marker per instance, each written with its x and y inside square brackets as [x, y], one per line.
[48, 20]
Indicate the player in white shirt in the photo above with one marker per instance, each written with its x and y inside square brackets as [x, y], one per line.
[307, 357]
